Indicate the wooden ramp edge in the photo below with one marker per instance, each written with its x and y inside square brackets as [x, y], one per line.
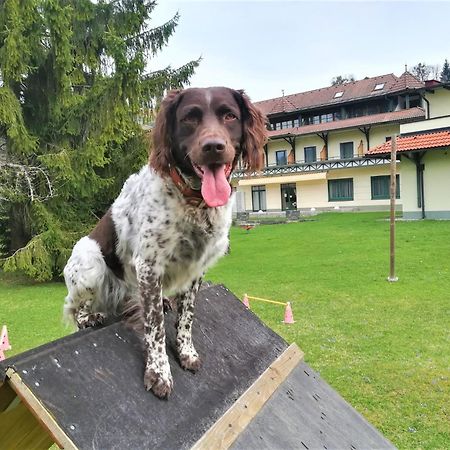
[227, 429]
[23, 410]
[29, 424]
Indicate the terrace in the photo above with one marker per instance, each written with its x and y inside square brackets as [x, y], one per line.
[314, 166]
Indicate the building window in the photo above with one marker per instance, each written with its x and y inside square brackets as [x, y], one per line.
[310, 154]
[338, 94]
[286, 124]
[340, 190]
[414, 100]
[379, 86]
[281, 158]
[321, 118]
[388, 138]
[381, 187]
[346, 150]
[259, 198]
[324, 118]
[288, 196]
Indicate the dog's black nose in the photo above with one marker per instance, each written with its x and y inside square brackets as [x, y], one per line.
[213, 145]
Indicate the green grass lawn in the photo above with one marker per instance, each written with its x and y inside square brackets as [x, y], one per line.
[383, 346]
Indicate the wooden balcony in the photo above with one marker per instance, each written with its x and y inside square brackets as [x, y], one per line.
[314, 166]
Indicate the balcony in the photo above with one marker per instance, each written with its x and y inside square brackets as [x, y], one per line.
[313, 167]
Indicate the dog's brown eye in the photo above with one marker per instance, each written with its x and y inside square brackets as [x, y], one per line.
[191, 119]
[229, 116]
[192, 116]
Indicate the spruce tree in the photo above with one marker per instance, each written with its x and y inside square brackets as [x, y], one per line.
[74, 89]
[445, 74]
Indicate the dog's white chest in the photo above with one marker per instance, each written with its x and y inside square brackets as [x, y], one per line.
[194, 252]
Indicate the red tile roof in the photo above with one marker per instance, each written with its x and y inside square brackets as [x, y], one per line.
[419, 141]
[408, 115]
[361, 89]
[432, 83]
[407, 81]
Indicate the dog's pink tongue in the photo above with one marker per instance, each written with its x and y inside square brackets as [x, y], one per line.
[215, 187]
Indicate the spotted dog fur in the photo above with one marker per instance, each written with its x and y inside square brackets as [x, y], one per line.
[155, 240]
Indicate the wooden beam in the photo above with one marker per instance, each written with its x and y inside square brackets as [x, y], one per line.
[7, 395]
[324, 137]
[39, 411]
[19, 429]
[226, 430]
[266, 150]
[393, 190]
[366, 131]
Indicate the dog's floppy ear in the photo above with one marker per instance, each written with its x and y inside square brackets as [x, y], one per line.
[161, 157]
[254, 133]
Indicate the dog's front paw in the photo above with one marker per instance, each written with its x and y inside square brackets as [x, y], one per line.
[190, 361]
[90, 320]
[160, 384]
[188, 356]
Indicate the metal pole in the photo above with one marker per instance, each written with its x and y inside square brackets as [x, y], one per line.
[393, 190]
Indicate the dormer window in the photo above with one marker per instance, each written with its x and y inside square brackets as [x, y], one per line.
[379, 86]
[339, 94]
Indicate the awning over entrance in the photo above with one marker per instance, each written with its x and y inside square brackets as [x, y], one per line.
[298, 178]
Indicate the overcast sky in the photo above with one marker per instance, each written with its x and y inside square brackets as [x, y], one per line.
[267, 46]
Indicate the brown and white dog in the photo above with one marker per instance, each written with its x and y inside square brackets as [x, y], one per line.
[169, 224]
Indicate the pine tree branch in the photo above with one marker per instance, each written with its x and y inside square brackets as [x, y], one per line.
[156, 38]
[21, 249]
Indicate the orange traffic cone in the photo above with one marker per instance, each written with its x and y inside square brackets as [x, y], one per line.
[288, 316]
[246, 302]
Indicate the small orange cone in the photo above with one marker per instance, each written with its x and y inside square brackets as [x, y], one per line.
[246, 302]
[288, 316]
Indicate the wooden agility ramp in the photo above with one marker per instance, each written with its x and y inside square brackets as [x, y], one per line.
[253, 391]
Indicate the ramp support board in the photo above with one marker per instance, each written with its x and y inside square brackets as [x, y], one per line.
[85, 391]
[25, 422]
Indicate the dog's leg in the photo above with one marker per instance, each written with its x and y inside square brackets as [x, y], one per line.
[187, 354]
[157, 375]
[84, 274]
[84, 317]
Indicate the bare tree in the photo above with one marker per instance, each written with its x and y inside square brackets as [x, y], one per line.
[422, 71]
[435, 71]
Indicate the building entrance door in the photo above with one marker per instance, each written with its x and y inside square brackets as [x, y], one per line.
[288, 197]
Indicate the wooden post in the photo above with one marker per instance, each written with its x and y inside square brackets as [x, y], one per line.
[393, 191]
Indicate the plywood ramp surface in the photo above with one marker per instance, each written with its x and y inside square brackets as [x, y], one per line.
[306, 413]
[91, 381]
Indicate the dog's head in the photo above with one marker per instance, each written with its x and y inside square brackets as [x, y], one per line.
[202, 132]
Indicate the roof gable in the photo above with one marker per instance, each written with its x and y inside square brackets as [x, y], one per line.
[407, 81]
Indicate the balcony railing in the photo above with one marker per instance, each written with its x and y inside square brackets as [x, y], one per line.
[314, 166]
